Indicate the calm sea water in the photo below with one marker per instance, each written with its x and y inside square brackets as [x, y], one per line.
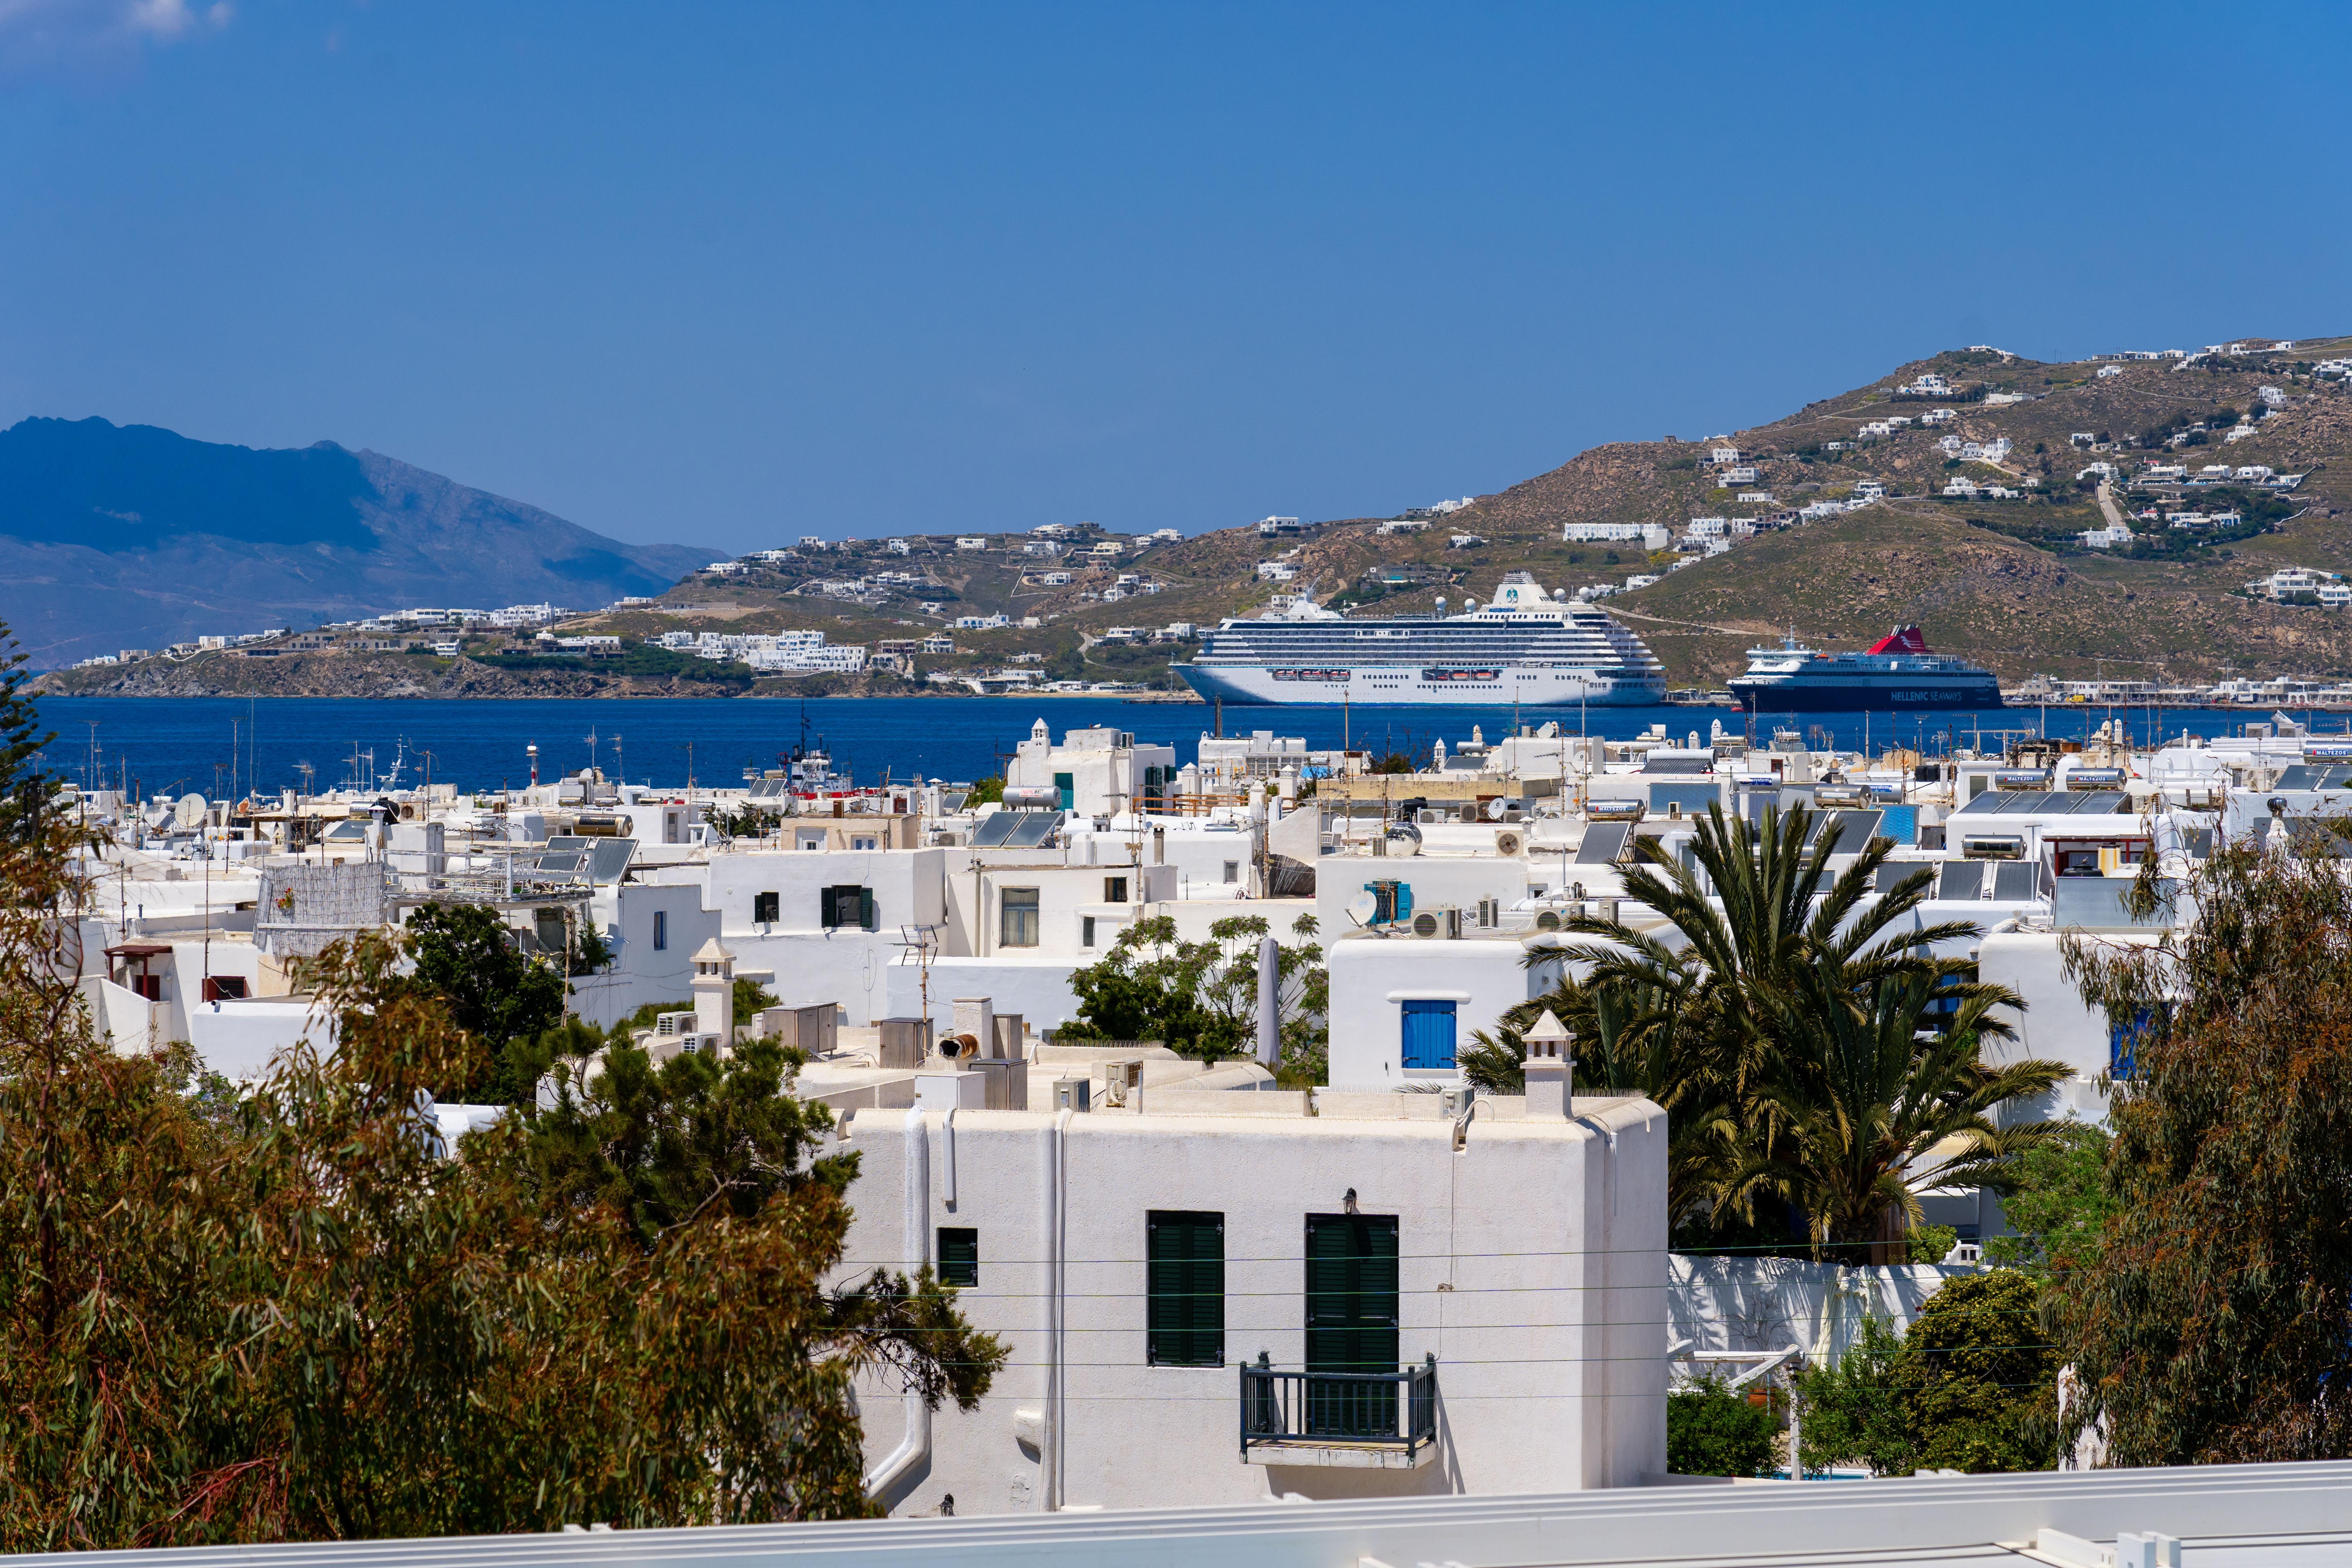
[208, 745]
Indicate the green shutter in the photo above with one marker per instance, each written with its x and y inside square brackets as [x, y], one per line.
[866, 908]
[1184, 1289]
[1351, 1292]
[960, 1258]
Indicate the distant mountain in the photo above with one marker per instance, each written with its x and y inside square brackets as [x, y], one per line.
[130, 536]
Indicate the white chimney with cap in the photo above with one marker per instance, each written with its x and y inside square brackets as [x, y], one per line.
[714, 993]
[1549, 1067]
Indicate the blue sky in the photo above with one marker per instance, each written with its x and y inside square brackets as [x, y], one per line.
[728, 275]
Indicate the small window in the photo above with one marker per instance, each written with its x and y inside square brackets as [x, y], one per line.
[960, 1258]
[661, 930]
[1018, 918]
[1113, 889]
[1232, 871]
[1085, 931]
[1429, 1035]
[861, 844]
[1184, 1289]
[847, 906]
[224, 988]
[766, 908]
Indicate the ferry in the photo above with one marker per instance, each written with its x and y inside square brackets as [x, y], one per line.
[1526, 647]
[1895, 671]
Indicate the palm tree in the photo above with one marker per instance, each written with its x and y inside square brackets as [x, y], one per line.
[1882, 1093]
[1700, 1027]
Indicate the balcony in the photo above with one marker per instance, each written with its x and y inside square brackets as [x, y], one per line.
[1355, 1420]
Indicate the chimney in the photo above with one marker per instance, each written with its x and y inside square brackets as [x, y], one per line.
[1549, 1067]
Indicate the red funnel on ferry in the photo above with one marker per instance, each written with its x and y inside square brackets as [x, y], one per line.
[1902, 639]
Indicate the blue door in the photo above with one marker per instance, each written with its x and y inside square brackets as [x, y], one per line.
[1429, 1035]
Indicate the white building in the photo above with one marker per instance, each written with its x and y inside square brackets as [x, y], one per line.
[1390, 1297]
[1094, 772]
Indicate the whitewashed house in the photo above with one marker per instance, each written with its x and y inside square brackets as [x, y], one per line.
[1216, 1296]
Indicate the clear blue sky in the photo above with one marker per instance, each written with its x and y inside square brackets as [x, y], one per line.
[730, 274]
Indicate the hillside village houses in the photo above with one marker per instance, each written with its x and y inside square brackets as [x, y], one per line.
[1139, 1225]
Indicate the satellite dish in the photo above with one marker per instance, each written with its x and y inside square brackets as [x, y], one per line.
[190, 811]
[1362, 908]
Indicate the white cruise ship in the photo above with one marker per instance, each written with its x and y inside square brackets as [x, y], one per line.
[1526, 647]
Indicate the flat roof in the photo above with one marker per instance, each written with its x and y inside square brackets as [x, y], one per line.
[2227, 1516]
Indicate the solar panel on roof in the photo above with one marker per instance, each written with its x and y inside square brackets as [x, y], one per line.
[563, 865]
[1894, 873]
[2016, 880]
[1985, 803]
[994, 829]
[2301, 776]
[1030, 828]
[2100, 801]
[768, 789]
[1603, 842]
[1961, 880]
[1850, 832]
[608, 857]
[2028, 800]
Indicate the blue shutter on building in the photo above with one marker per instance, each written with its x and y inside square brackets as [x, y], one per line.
[1428, 1035]
[2123, 1040]
[1065, 794]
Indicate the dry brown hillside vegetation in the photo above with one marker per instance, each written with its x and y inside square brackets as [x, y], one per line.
[2003, 580]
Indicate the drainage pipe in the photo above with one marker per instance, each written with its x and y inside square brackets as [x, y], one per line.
[1054, 1170]
[915, 1447]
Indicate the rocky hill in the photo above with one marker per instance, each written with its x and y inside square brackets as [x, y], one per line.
[132, 536]
[2004, 579]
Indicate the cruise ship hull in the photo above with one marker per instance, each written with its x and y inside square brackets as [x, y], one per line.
[1463, 684]
[1863, 693]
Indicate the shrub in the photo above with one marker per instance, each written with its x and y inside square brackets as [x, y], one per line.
[1712, 1430]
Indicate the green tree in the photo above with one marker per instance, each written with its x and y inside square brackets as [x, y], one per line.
[1853, 1409]
[1881, 1094]
[467, 956]
[1713, 1430]
[297, 1322]
[1200, 998]
[1794, 1001]
[2058, 1202]
[2211, 1320]
[1972, 1386]
[751, 999]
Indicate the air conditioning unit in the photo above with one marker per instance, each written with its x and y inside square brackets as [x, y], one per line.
[1444, 921]
[1547, 919]
[668, 1023]
[1490, 913]
[1510, 843]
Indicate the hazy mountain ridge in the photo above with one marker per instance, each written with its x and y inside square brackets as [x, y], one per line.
[115, 536]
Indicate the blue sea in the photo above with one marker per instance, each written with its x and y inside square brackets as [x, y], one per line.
[214, 745]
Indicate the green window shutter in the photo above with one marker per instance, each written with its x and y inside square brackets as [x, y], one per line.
[1065, 790]
[960, 1258]
[1351, 1292]
[866, 908]
[1184, 1289]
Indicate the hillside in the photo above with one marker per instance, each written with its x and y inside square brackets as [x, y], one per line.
[2001, 579]
[2005, 581]
[132, 536]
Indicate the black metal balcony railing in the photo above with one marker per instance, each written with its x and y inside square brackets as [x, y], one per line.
[1361, 1409]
